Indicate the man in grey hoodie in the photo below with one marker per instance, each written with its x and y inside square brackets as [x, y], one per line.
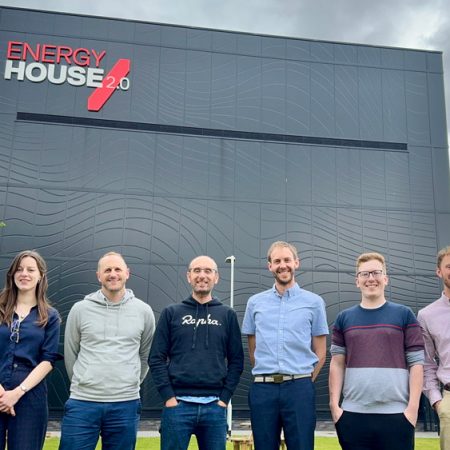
[106, 345]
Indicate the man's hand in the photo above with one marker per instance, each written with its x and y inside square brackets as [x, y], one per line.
[411, 414]
[171, 402]
[336, 413]
[222, 404]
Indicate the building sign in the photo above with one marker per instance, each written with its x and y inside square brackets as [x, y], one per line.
[60, 64]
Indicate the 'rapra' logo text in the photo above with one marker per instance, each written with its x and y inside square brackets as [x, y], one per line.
[190, 320]
[60, 64]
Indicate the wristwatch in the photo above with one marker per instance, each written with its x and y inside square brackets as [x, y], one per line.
[24, 388]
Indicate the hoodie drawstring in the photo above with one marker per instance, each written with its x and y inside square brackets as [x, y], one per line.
[194, 337]
[207, 328]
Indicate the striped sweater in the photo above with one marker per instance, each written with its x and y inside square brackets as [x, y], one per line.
[379, 346]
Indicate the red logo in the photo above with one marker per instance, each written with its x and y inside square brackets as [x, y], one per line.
[111, 82]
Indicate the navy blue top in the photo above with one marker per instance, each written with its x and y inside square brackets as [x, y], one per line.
[36, 343]
[197, 351]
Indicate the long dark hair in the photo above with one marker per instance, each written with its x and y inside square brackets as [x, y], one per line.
[8, 296]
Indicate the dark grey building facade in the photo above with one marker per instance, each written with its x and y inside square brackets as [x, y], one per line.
[212, 142]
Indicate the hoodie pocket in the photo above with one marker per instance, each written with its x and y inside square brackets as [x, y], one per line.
[123, 375]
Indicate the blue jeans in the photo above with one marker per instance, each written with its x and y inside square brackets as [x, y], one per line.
[290, 406]
[208, 423]
[116, 422]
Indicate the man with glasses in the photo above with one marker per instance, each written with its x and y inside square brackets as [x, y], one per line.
[377, 365]
[434, 320]
[287, 334]
[106, 346]
[196, 361]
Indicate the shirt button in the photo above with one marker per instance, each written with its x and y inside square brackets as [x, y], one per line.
[15, 366]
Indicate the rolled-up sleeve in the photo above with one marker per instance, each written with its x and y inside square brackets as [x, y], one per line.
[49, 348]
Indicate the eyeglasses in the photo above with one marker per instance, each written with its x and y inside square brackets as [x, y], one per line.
[206, 270]
[366, 274]
[15, 327]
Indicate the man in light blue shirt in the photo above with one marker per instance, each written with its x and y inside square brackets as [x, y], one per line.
[286, 328]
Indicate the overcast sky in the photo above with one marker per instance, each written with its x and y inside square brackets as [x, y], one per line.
[418, 24]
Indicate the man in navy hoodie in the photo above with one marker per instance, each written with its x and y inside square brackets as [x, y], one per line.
[196, 361]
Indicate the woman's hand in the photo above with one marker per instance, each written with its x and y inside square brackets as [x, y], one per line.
[8, 399]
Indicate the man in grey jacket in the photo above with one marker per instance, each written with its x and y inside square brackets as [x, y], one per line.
[106, 346]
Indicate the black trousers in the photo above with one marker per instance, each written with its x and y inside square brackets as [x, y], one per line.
[357, 431]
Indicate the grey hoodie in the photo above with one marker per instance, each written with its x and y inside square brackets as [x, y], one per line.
[106, 347]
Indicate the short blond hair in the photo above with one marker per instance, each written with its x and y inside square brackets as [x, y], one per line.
[364, 257]
[442, 254]
[110, 254]
[284, 244]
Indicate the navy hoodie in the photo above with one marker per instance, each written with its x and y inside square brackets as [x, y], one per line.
[197, 350]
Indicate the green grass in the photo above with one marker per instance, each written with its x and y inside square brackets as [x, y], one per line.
[142, 444]
[322, 443]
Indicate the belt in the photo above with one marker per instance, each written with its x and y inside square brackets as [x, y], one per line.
[447, 387]
[279, 378]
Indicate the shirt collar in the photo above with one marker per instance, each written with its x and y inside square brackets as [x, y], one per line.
[292, 291]
[445, 298]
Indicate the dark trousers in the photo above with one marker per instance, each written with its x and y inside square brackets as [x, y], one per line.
[290, 406]
[26, 430]
[357, 431]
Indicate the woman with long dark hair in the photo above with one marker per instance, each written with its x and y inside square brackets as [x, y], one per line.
[29, 338]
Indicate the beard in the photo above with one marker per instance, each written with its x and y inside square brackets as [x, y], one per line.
[202, 291]
[113, 287]
[284, 281]
[446, 282]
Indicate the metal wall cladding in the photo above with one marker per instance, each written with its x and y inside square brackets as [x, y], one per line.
[231, 172]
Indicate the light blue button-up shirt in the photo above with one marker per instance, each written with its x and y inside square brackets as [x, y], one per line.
[284, 326]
